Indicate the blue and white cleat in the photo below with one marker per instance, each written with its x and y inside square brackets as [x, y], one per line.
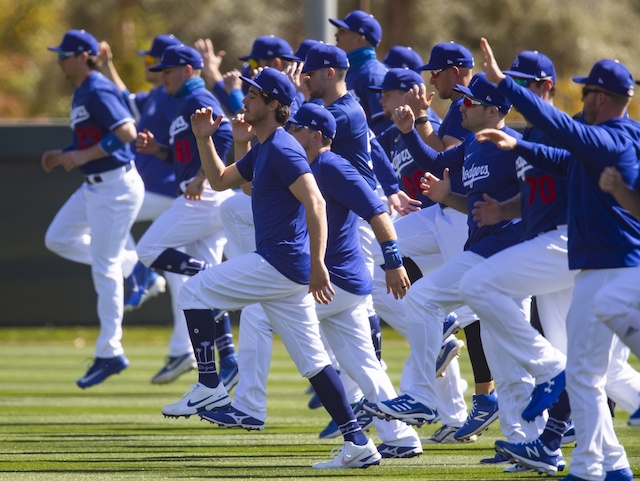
[445, 435]
[387, 451]
[569, 434]
[351, 456]
[175, 367]
[624, 474]
[403, 408]
[483, 413]
[198, 399]
[229, 374]
[534, 454]
[451, 325]
[154, 284]
[364, 418]
[101, 369]
[449, 350]
[543, 397]
[231, 417]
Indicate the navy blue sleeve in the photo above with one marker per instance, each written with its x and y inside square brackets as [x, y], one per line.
[553, 160]
[431, 160]
[383, 169]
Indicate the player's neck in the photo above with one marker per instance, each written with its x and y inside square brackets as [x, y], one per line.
[265, 129]
[335, 94]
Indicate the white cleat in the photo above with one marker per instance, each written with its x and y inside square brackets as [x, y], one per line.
[199, 398]
[350, 456]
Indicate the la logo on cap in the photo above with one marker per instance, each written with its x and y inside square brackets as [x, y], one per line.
[275, 91]
[313, 122]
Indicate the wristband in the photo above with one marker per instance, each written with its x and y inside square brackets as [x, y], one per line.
[391, 254]
[111, 143]
[421, 120]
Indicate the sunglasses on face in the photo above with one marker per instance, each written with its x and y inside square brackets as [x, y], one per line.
[586, 91]
[65, 55]
[297, 128]
[435, 73]
[150, 60]
[523, 82]
[470, 103]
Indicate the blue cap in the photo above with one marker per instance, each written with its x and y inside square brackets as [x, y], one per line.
[481, 89]
[323, 55]
[403, 57]
[268, 47]
[301, 53]
[274, 83]
[315, 117]
[533, 65]
[78, 41]
[179, 56]
[610, 75]
[398, 79]
[160, 43]
[363, 23]
[449, 54]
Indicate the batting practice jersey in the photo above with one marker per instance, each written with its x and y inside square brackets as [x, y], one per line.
[186, 159]
[156, 108]
[97, 109]
[475, 169]
[279, 218]
[601, 233]
[352, 136]
[348, 197]
[543, 196]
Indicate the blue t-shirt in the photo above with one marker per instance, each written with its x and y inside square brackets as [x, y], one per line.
[352, 136]
[601, 233]
[155, 108]
[279, 218]
[97, 109]
[543, 196]
[186, 159]
[348, 197]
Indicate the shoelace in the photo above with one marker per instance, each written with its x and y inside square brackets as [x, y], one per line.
[193, 388]
[335, 451]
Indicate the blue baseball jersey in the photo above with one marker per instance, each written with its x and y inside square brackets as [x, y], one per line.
[407, 171]
[366, 70]
[452, 123]
[543, 196]
[98, 108]
[155, 108]
[601, 233]
[352, 136]
[348, 197]
[279, 218]
[186, 159]
[475, 169]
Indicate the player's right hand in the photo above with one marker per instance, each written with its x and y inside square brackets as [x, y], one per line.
[503, 140]
[488, 212]
[241, 130]
[491, 68]
[436, 189]
[320, 285]
[419, 99]
[51, 159]
[202, 123]
[146, 142]
[404, 118]
[610, 180]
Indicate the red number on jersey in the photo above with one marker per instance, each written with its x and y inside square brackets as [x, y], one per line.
[87, 136]
[183, 151]
[545, 186]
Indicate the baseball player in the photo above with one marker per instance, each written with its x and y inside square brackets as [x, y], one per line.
[93, 225]
[399, 56]
[193, 220]
[344, 321]
[287, 270]
[436, 294]
[154, 109]
[597, 235]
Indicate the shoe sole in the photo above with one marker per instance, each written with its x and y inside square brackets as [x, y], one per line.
[480, 430]
[85, 386]
[413, 421]
[222, 424]
[209, 407]
[450, 356]
[540, 468]
[175, 373]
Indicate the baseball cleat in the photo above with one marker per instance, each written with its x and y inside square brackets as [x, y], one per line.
[351, 456]
[624, 474]
[229, 374]
[634, 419]
[397, 452]
[155, 284]
[535, 455]
[314, 402]
[364, 418]
[451, 326]
[569, 434]
[483, 413]
[403, 408]
[198, 399]
[543, 397]
[175, 367]
[449, 350]
[101, 369]
[231, 417]
[497, 459]
[445, 435]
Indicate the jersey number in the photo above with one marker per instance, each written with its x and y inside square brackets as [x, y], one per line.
[183, 151]
[411, 185]
[88, 136]
[545, 186]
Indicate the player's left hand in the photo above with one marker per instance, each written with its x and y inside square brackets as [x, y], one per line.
[397, 282]
[202, 123]
[491, 68]
[193, 190]
[404, 118]
[488, 212]
[419, 99]
[320, 285]
[610, 180]
[72, 159]
[51, 159]
[436, 189]
[402, 203]
[502, 140]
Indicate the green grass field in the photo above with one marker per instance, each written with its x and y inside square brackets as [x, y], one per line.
[51, 430]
